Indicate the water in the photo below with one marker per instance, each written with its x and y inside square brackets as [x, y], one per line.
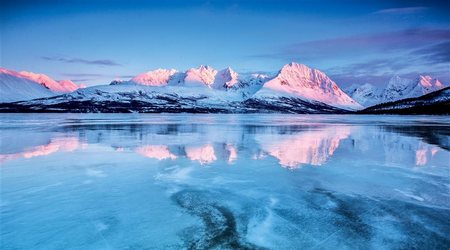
[85, 181]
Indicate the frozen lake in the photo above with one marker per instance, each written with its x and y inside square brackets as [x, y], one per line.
[136, 181]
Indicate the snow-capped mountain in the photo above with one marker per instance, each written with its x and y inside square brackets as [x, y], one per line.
[64, 86]
[366, 94]
[296, 88]
[15, 87]
[158, 77]
[225, 78]
[19, 86]
[401, 88]
[70, 86]
[203, 75]
[437, 102]
[398, 88]
[299, 81]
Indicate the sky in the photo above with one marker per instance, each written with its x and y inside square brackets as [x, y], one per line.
[94, 42]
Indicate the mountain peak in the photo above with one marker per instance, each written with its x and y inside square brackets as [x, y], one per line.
[157, 77]
[301, 81]
[70, 86]
[295, 66]
[226, 78]
[201, 75]
[428, 81]
[49, 83]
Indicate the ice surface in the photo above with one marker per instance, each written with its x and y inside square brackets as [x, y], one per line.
[129, 181]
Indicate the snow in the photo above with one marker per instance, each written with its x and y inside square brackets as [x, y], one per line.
[366, 94]
[203, 75]
[300, 81]
[295, 82]
[20, 86]
[158, 77]
[398, 88]
[15, 87]
[64, 86]
[226, 79]
[70, 86]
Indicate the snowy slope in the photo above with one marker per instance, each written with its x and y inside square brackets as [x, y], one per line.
[70, 86]
[296, 88]
[225, 79]
[437, 102]
[425, 85]
[299, 81]
[366, 94]
[158, 77]
[203, 75]
[15, 87]
[64, 86]
[398, 88]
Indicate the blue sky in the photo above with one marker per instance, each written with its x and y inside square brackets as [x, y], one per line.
[94, 42]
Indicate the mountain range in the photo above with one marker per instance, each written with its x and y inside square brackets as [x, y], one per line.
[398, 88]
[295, 88]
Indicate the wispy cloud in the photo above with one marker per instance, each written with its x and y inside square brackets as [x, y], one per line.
[436, 53]
[361, 44]
[95, 75]
[82, 75]
[374, 66]
[400, 11]
[102, 62]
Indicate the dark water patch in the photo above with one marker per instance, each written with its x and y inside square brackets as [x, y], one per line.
[435, 135]
[422, 227]
[349, 215]
[220, 230]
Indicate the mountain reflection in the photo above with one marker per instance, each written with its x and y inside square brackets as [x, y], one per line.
[67, 144]
[424, 153]
[292, 146]
[159, 152]
[204, 154]
[312, 147]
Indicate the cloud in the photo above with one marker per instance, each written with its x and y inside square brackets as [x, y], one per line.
[96, 75]
[345, 80]
[373, 57]
[361, 44]
[82, 75]
[373, 66]
[400, 11]
[102, 62]
[436, 53]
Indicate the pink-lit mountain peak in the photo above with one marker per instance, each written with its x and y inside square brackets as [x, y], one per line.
[157, 77]
[428, 81]
[302, 75]
[63, 86]
[10, 72]
[201, 75]
[70, 86]
[401, 88]
[298, 80]
[226, 78]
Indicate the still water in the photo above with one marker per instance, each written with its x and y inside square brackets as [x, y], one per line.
[133, 181]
